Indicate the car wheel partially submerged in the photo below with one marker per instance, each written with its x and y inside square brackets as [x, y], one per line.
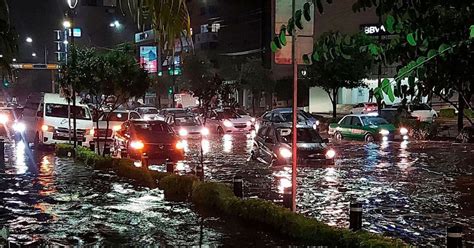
[369, 138]
[338, 136]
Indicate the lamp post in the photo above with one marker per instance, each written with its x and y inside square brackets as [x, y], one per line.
[67, 25]
[294, 148]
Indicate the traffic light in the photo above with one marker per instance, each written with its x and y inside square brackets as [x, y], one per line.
[170, 90]
[6, 83]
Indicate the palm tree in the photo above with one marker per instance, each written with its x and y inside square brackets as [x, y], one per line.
[169, 18]
[8, 40]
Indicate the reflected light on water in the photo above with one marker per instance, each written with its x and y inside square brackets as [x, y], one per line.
[227, 145]
[206, 146]
[46, 177]
[284, 183]
[404, 144]
[20, 164]
[180, 166]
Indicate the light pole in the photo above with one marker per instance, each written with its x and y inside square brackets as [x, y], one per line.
[68, 24]
[294, 147]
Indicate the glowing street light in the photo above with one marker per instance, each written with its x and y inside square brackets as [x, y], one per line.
[29, 39]
[14, 60]
[33, 54]
[67, 24]
[115, 24]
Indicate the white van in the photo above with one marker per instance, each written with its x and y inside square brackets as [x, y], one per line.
[52, 121]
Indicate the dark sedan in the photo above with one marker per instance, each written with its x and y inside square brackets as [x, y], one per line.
[155, 139]
[273, 145]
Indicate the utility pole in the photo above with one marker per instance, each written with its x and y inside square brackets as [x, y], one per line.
[294, 147]
[379, 74]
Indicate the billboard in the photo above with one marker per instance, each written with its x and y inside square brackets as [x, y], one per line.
[283, 12]
[149, 58]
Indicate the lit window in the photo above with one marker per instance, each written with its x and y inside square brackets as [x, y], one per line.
[204, 28]
[215, 27]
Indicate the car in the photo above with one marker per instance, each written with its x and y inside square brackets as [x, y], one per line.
[226, 121]
[116, 118]
[245, 115]
[54, 126]
[368, 127]
[166, 111]
[186, 124]
[422, 111]
[364, 108]
[272, 145]
[285, 115]
[153, 139]
[149, 113]
[11, 124]
[395, 115]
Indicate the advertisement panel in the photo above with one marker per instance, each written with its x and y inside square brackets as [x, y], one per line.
[304, 44]
[149, 58]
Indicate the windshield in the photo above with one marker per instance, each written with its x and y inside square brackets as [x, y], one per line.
[148, 111]
[240, 112]
[305, 135]
[227, 115]
[115, 116]
[150, 128]
[187, 121]
[174, 111]
[288, 117]
[60, 110]
[373, 121]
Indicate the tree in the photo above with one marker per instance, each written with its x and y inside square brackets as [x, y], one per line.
[169, 18]
[8, 40]
[114, 75]
[432, 39]
[256, 78]
[345, 69]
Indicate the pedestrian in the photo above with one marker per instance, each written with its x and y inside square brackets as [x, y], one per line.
[371, 95]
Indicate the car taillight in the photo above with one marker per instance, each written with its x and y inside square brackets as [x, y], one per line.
[137, 145]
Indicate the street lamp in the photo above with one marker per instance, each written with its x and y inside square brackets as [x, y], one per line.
[14, 60]
[115, 24]
[33, 54]
[67, 24]
[29, 39]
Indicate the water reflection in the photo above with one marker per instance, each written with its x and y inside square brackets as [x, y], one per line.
[20, 160]
[227, 143]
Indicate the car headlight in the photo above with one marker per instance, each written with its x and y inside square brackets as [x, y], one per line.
[180, 145]
[253, 119]
[330, 154]
[285, 152]
[384, 132]
[403, 131]
[46, 128]
[183, 132]
[315, 126]
[19, 127]
[90, 131]
[3, 118]
[204, 131]
[249, 123]
[227, 123]
[137, 145]
[317, 123]
[116, 128]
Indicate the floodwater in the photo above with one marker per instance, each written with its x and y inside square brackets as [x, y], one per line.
[52, 201]
[410, 190]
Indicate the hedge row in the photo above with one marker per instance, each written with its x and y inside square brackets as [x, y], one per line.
[219, 198]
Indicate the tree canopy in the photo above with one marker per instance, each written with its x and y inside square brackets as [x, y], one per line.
[8, 39]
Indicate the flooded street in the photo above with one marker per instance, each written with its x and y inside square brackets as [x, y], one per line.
[51, 201]
[409, 190]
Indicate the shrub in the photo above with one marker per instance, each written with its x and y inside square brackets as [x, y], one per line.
[177, 188]
[469, 113]
[420, 130]
[62, 150]
[447, 112]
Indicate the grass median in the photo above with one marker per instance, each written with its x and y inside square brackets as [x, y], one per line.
[219, 199]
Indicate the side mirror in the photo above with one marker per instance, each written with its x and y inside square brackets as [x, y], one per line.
[326, 140]
[269, 140]
[39, 114]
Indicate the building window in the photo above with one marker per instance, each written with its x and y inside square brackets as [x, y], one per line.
[203, 10]
[204, 28]
[215, 27]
